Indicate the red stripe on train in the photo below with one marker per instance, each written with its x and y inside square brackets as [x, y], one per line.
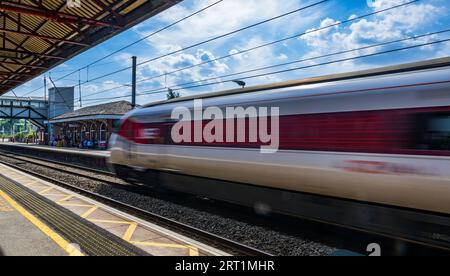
[381, 131]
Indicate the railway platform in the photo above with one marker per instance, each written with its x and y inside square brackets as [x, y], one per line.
[96, 159]
[40, 218]
[21, 234]
[56, 149]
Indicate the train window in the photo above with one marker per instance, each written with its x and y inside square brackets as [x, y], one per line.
[434, 132]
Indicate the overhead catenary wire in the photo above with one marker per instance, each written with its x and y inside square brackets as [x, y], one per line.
[352, 19]
[316, 65]
[159, 91]
[211, 39]
[267, 67]
[314, 58]
[158, 31]
[90, 66]
[106, 90]
[207, 41]
[57, 91]
[134, 43]
[235, 31]
[281, 40]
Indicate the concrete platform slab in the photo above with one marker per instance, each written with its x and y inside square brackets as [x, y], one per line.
[20, 237]
[150, 238]
[104, 153]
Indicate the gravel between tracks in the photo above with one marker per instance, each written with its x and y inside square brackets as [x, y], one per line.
[198, 213]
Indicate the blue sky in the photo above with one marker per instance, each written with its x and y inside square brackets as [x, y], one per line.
[419, 18]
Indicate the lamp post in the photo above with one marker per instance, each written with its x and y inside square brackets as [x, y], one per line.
[240, 83]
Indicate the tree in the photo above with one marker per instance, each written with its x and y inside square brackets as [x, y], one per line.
[172, 94]
[5, 126]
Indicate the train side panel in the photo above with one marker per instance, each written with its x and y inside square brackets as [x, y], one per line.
[381, 140]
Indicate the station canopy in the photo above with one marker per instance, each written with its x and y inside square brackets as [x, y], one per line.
[37, 35]
[111, 111]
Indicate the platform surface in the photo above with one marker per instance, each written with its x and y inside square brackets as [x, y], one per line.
[20, 237]
[104, 153]
[142, 235]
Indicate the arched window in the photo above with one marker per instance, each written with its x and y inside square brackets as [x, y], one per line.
[84, 133]
[103, 132]
[93, 132]
[77, 137]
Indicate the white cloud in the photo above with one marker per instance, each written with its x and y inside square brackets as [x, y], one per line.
[174, 62]
[228, 16]
[123, 58]
[115, 89]
[283, 57]
[234, 14]
[259, 58]
[235, 55]
[225, 17]
[444, 51]
[386, 26]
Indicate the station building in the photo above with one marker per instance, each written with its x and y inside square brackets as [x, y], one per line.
[89, 127]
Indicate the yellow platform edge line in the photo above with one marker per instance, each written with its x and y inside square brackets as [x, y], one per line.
[193, 251]
[46, 190]
[65, 199]
[130, 231]
[64, 244]
[89, 212]
[166, 245]
[109, 221]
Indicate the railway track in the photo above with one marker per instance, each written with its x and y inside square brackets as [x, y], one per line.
[84, 168]
[103, 177]
[228, 245]
[69, 168]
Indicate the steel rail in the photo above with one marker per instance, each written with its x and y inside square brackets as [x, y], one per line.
[195, 233]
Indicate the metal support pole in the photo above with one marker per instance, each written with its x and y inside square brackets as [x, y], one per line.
[79, 88]
[45, 88]
[133, 83]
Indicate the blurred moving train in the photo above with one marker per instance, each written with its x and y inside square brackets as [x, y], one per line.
[375, 137]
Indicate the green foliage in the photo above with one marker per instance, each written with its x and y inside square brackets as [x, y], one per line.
[172, 94]
[10, 128]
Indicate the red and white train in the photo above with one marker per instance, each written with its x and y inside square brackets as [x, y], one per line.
[380, 136]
